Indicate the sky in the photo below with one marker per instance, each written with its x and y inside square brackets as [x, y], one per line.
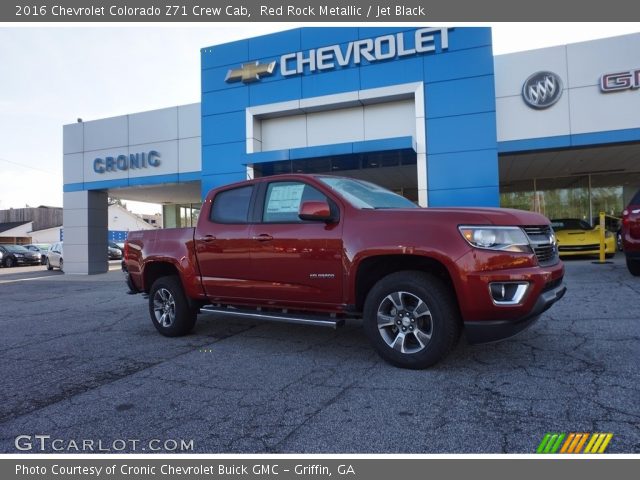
[50, 76]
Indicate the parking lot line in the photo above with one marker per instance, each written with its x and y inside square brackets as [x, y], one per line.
[24, 279]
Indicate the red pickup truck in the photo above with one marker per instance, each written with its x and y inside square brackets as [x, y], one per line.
[318, 249]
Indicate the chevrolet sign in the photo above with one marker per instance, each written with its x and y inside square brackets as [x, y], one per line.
[325, 58]
[250, 72]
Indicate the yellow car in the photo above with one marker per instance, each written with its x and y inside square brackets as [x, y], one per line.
[577, 237]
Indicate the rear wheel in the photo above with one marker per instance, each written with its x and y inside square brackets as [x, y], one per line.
[634, 267]
[170, 311]
[411, 319]
[61, 265]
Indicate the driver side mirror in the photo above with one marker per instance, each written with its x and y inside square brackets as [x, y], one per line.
[319, 211]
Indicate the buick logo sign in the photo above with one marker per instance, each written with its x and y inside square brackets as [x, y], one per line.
[542, 89]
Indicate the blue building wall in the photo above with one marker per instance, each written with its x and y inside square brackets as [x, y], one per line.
[462, 161]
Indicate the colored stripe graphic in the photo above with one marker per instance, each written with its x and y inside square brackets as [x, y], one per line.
[550, 443]
[597, 443]
[581, 443]
[574, 443]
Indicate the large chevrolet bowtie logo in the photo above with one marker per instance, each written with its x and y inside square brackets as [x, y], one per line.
[250, 72]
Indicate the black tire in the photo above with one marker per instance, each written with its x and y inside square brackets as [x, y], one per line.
[9, 262]
[167, 298]
[49, 267]
[61, 265]
[609, 255]
[440, 322]
[634, 267]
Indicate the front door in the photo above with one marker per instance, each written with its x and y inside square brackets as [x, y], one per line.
[295, 262]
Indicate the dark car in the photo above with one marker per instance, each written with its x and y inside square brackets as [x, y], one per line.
[13, 255]
[114, 251]
[631, 234]
[41, 248]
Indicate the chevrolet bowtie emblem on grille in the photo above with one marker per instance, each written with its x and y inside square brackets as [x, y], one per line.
[250, 72]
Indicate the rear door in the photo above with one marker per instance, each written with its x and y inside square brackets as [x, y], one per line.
[295, 262]
[223, 245]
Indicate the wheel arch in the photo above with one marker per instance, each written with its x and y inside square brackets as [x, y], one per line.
[154, 270]
[375, 267]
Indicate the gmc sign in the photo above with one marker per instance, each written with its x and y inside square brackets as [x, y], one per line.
[613, 82]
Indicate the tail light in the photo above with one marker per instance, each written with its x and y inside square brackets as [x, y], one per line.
[125, 254]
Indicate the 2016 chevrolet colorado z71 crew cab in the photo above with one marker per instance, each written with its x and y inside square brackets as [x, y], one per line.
[318, 249]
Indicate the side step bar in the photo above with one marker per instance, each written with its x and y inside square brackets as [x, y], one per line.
[298, 318]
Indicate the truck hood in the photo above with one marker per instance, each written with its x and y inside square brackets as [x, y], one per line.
[467, 215]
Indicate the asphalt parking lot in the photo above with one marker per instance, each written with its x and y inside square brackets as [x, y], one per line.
[81, 360]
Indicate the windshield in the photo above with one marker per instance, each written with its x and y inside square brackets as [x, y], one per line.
[15, 249]
[363, 194]
[570, 224]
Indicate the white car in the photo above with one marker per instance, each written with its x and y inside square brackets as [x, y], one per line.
[54, 256]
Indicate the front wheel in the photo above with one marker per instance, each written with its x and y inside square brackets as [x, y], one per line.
[411, 319]
[9, 262]
[634, 267]
[169, 309]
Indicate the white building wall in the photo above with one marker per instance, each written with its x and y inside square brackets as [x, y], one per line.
[122, 219]
[173, 132]
[47, 235]
[353, 124]
[19, 231]
[583, 108]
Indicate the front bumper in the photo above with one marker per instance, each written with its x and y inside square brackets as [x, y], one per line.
[28, 261]
[566, 250]
[494, 330]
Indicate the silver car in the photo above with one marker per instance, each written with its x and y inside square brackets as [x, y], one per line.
[54, 256]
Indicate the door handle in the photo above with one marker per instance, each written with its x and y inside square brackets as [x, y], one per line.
[208, 238]
[263, 237]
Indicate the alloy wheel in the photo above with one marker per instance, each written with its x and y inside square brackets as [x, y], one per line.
[164, 307]
[405, 322]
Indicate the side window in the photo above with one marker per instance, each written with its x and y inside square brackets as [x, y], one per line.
[283, 201]
[636, 199]
[232, 206]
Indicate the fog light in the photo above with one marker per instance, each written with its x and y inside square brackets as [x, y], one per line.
[507, 293]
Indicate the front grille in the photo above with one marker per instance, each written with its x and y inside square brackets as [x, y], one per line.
[538, 233]
[545, 254]
[540, 238]
[579, 248]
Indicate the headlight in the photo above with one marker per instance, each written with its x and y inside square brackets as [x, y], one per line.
[510, 239]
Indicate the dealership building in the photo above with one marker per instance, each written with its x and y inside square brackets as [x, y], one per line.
[429, 113]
